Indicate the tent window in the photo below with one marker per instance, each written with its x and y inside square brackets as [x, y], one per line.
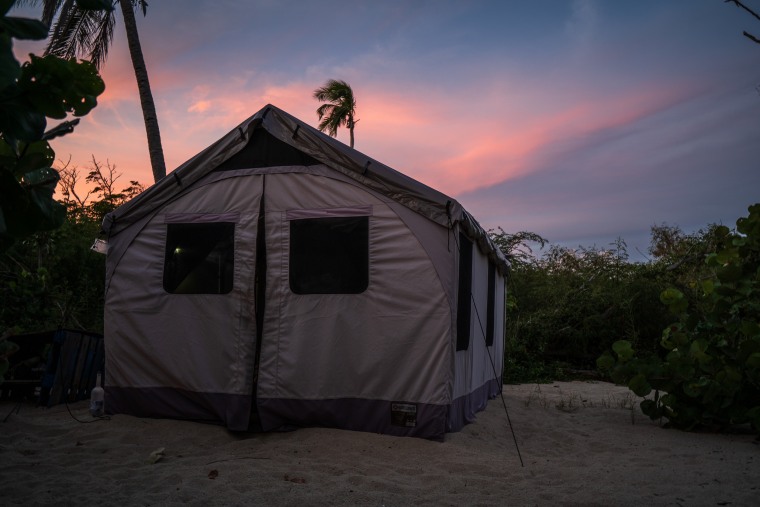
[199, 258]
[491, 304]
[465, 289]
[329, 255]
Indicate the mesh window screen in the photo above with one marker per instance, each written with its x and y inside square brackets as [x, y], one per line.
[199, 258]
[329, 255]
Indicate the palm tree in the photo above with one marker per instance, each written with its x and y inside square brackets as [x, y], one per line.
[340, 109]
[88, 33]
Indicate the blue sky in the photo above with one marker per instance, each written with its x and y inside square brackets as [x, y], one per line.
[583, 121]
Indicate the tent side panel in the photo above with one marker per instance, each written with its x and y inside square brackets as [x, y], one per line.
[478, 367]
[180, 351]
[387, 344]
[439, 244]
[499, 326]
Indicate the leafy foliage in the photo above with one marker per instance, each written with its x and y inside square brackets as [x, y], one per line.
[52, 279]
[43, 87]
[102, 185]
[568, 305]
[518, 247]
[84, 28]
[7, 348]
[710, 373]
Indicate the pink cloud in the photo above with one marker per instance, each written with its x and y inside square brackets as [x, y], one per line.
[452, 144]
[200, 106]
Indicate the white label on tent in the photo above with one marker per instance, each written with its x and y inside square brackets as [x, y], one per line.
[404, 414]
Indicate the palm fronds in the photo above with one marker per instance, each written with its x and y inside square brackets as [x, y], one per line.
[339, 110]
[81, 33]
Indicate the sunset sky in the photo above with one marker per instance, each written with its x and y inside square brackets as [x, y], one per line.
[582, 120]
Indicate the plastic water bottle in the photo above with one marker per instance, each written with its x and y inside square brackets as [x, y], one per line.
[97, 404]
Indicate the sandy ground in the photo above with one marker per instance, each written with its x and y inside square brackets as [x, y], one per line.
[581, 443]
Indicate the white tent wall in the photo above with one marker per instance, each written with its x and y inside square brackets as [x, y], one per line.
[343, 359]
[189, 355]
[474, 379]
[500, 320]
[379, 359]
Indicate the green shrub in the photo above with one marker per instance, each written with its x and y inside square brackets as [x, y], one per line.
[568, 306]
[709, 374]
[30, 93]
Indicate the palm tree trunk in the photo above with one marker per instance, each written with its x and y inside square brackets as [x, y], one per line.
[146, 97]
[351, 129]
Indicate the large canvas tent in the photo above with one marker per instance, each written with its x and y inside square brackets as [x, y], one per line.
[280, 278]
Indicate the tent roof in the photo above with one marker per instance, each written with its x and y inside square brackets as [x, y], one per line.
[409, 192]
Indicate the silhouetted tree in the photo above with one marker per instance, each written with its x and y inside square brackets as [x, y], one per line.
[83, 32]
[340, 109]
[741, 5]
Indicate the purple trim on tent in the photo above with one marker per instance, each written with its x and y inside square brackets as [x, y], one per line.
[463, 409]
[352, 414]
[354, 211]
[232, 410]
[202, 218]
